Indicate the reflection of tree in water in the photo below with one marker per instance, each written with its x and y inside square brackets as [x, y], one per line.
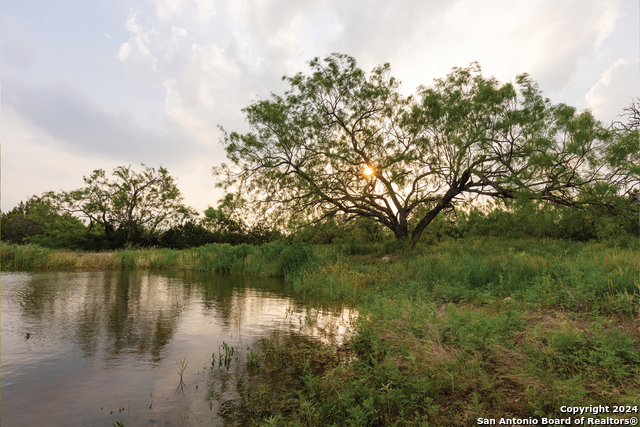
[233, 299]
[130, 311]
[222, 294]
[120, 311]
[230, 297]
[142, 313]
[133, 311]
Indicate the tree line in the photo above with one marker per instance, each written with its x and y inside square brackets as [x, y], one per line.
[345, 156]
[129, 209]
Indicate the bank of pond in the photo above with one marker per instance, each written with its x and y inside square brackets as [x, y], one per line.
[444, 334]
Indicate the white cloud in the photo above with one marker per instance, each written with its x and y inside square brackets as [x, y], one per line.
[198, 96]
[178, 32]
[138, 47]
[168, 8]
[615, 90]
[276, 25]
[566, 33]
[206, 10]
[124, 52]
[549, 40]
[607, 22]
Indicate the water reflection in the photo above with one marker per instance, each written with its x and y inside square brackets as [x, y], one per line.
[111, 339]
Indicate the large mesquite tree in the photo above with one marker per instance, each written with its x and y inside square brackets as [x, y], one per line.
[339, 142]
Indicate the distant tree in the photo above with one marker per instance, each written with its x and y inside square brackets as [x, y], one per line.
[136, 206]
[339, 143]
[230, 222]
[39, 221]
[186, 235]
[17, 224]
[226, 220]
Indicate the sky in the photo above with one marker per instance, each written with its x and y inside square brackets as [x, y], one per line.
[97, 84]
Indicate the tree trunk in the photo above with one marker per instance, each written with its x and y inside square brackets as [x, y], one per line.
[424, 222]
[401, 230]
[453, 191]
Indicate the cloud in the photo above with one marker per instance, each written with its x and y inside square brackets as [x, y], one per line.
[549, 40]
[206, 10]
[55, 135]
[81, 126]
[178, 32]
[168, 8]
[205, 92]
[561, 36]
[138, 47]
[36, 161]
[425, 40]
[615, 90]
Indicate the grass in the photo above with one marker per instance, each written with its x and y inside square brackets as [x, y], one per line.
[448, 333]
[448, 365]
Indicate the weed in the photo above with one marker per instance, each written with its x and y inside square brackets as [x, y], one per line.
[227, 357]
[253, 360]
[182, 365]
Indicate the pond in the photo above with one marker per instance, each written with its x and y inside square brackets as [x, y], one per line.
[142, 348]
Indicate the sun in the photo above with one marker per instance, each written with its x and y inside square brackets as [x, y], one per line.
[367, 171]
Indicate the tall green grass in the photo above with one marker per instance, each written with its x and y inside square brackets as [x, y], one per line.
[271, 259]
[33, 257]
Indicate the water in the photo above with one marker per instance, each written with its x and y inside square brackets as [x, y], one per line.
[95, 348]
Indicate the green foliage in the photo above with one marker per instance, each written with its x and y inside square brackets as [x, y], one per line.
[356, 237]
[609, 354]
[17, 225]
[530, 219]
[475, 331]
[186, 235]
[253, 359]
[38, 221]
[225, 221]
